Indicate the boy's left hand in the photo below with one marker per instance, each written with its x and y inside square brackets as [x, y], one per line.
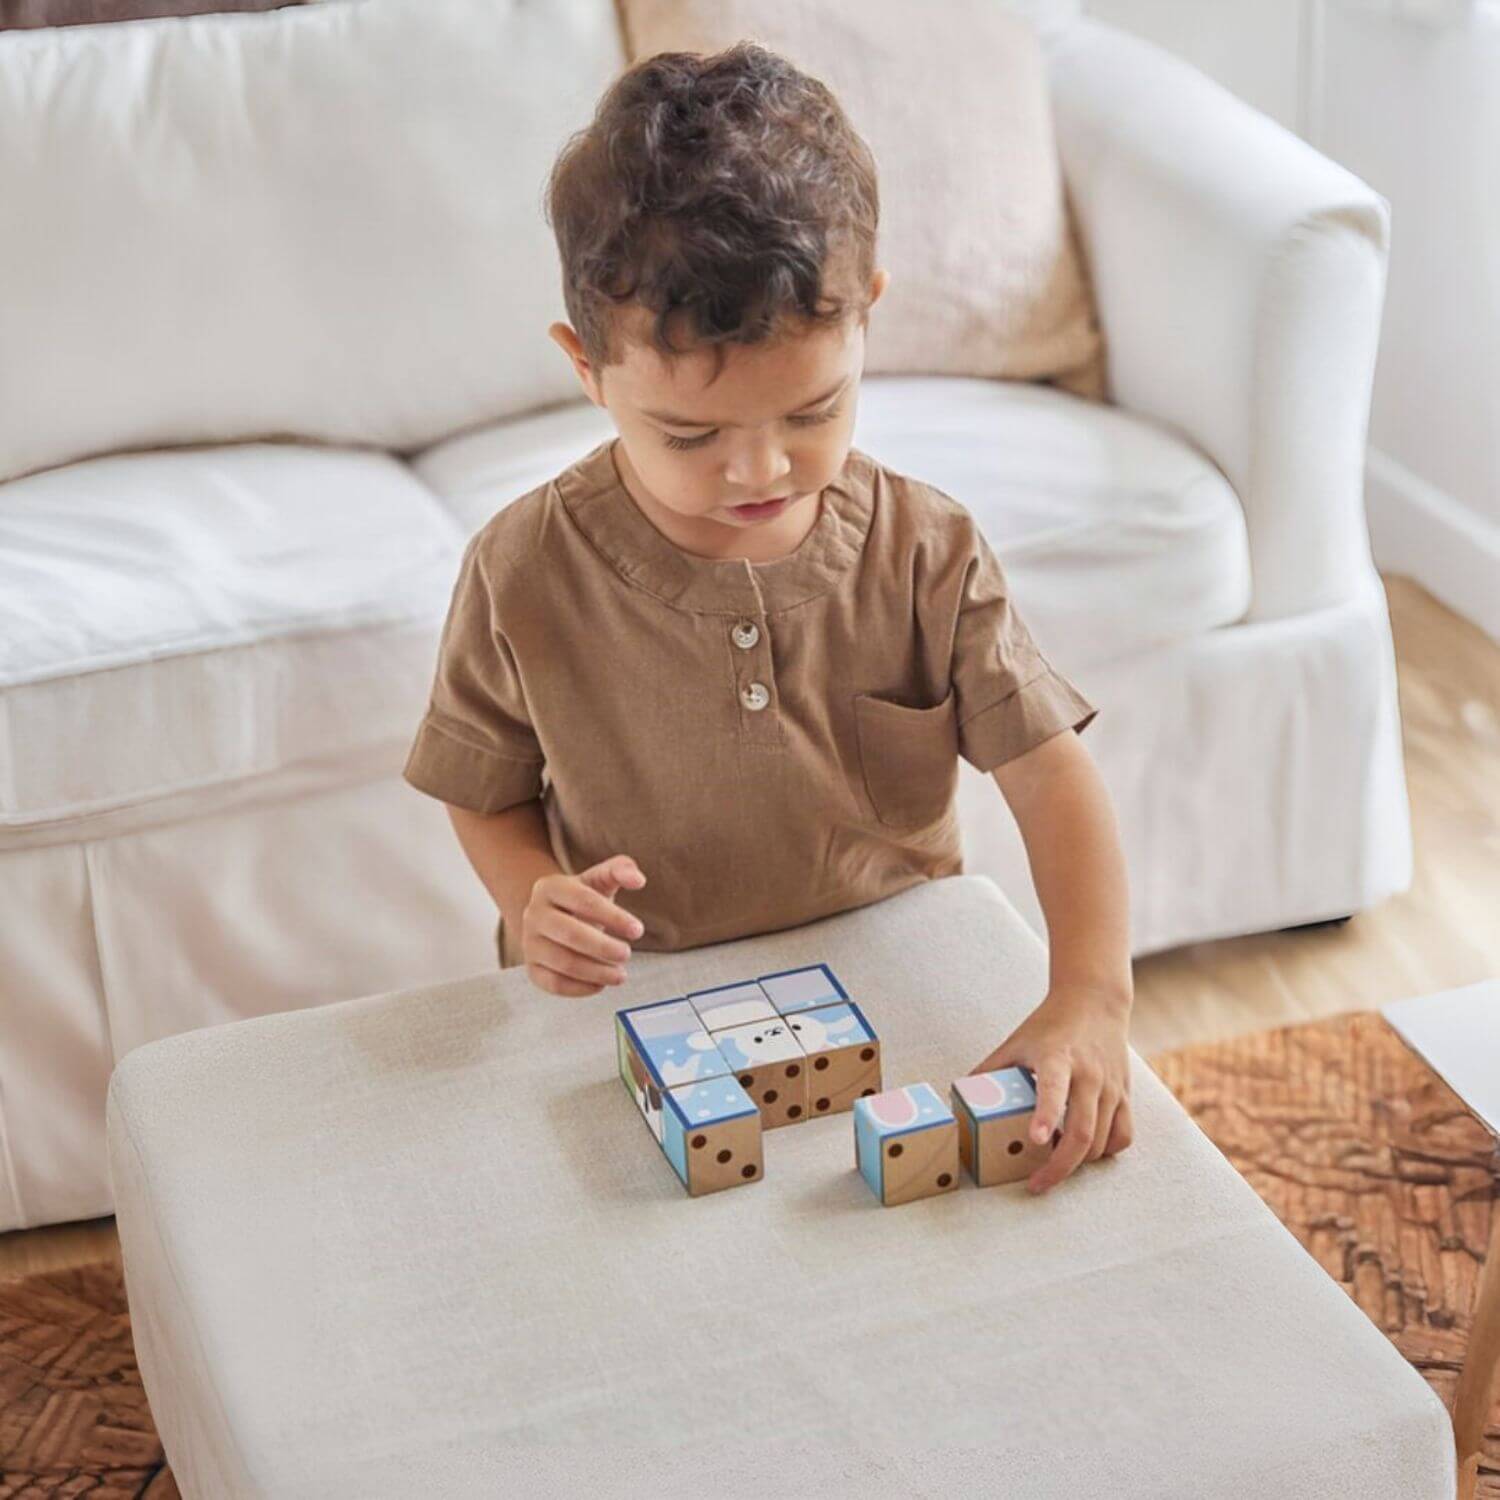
[1075, 1043]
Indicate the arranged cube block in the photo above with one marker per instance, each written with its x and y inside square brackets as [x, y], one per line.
[712, 1135]
[792, 990]
[709, 1071]
[661, 1046]
[843, 1056]
[771, 1066]
[995, 1113]
[732, 1005]
[906, 1144]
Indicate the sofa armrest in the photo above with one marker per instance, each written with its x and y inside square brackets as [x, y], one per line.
[1239, 277]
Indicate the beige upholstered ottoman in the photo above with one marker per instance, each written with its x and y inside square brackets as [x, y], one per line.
[422, 1245]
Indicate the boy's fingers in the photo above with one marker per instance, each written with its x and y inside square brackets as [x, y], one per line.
[1104, 1123]
[557, 984]
[583, 938]
[1077, 1137]
[1052, 1080]
[1122, 1132]
[563, 958]
[610, 874]
[593, 906]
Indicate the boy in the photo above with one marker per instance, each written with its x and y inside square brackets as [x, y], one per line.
[725, 663]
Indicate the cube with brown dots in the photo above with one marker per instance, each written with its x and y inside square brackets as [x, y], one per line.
[995, 1113]
[843, 1056]
[712, 1136]
[771, 1066]
[906, 1144]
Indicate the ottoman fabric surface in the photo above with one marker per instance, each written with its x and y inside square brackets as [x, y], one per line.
[422, 1243]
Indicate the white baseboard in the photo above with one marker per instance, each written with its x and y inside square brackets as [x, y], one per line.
[1421, 531]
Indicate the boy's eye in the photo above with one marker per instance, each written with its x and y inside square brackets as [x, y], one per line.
[680, 443]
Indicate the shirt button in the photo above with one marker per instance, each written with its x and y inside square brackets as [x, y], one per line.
[746, 634]
[755, 696]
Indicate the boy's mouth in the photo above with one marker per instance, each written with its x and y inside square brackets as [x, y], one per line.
[763, 511]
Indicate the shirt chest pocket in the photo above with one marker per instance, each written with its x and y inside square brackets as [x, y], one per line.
[909, 757]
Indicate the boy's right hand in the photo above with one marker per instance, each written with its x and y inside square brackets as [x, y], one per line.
[562, 944]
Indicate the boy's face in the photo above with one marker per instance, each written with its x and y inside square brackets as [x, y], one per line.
[775, 425]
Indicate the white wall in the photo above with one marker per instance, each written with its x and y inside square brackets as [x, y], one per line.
[1407, 94]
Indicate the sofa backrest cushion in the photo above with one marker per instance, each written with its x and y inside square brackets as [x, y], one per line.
[322, 223]
[987, 278]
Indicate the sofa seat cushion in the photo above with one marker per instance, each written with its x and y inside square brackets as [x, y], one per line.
[175, 620]
[1115, 534]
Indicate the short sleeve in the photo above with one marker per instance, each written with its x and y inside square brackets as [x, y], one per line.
[476, 747]
[1009, 697]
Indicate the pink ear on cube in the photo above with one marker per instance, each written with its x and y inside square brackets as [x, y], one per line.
[995, 1113]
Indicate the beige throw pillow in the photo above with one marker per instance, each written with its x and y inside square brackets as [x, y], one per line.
[986, 275]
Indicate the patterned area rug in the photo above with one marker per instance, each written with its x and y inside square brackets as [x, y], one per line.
[1364, 1154]
[73, 1417]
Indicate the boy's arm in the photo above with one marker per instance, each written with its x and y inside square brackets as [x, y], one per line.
[579, 937]
[510, 851]
[1076, 1041]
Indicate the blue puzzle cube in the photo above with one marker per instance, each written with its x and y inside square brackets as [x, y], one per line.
[906, 1144]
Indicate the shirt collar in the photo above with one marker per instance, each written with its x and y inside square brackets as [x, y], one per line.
[603, 510]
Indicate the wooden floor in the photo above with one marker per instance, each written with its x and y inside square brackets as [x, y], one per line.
[1443, 932]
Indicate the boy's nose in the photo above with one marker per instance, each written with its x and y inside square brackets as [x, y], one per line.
[756, 470]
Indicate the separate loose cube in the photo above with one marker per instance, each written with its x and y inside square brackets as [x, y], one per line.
[906, 1144]
[995, 1113]
[843, 1056]
[770, 1064]
[712, 1135]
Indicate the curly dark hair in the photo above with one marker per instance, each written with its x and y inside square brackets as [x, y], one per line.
[727, 190]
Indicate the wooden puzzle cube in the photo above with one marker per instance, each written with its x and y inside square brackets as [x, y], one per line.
[791, 990]
[712, 1135]
[906, 1144]
[843, 1056]
[995, 1113]
[771, 1066]
[663, 1047]
[732, 1005]
[792, 1045]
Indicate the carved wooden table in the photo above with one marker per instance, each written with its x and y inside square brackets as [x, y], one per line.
[1376, 1166]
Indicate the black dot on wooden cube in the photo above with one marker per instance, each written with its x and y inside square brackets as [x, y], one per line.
[865, 1093]
[746, 1079]
[866, 1053]
[794, 1110]
[793, 1069]
[725, 1154]
[748, 1170]
[699, 1140]
[945, 1179]
[894, 1149]
[1015, 1148]
[770, 1096]
[821, 1063]
[822, 1104]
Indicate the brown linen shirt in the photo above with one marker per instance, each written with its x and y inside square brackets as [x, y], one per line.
[771, 742]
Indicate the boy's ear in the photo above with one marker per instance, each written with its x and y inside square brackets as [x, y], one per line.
[568, 341]
[878, 283]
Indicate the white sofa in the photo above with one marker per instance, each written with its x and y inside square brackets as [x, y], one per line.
[214, 650]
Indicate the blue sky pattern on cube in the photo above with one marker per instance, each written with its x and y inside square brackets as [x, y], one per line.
[803, 989]
[695, 1107]
[830, 1026]
[671, 1039]
[731, 1005]
[992, 1096]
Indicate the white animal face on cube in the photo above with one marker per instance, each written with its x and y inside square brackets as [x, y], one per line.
[732, 1005]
